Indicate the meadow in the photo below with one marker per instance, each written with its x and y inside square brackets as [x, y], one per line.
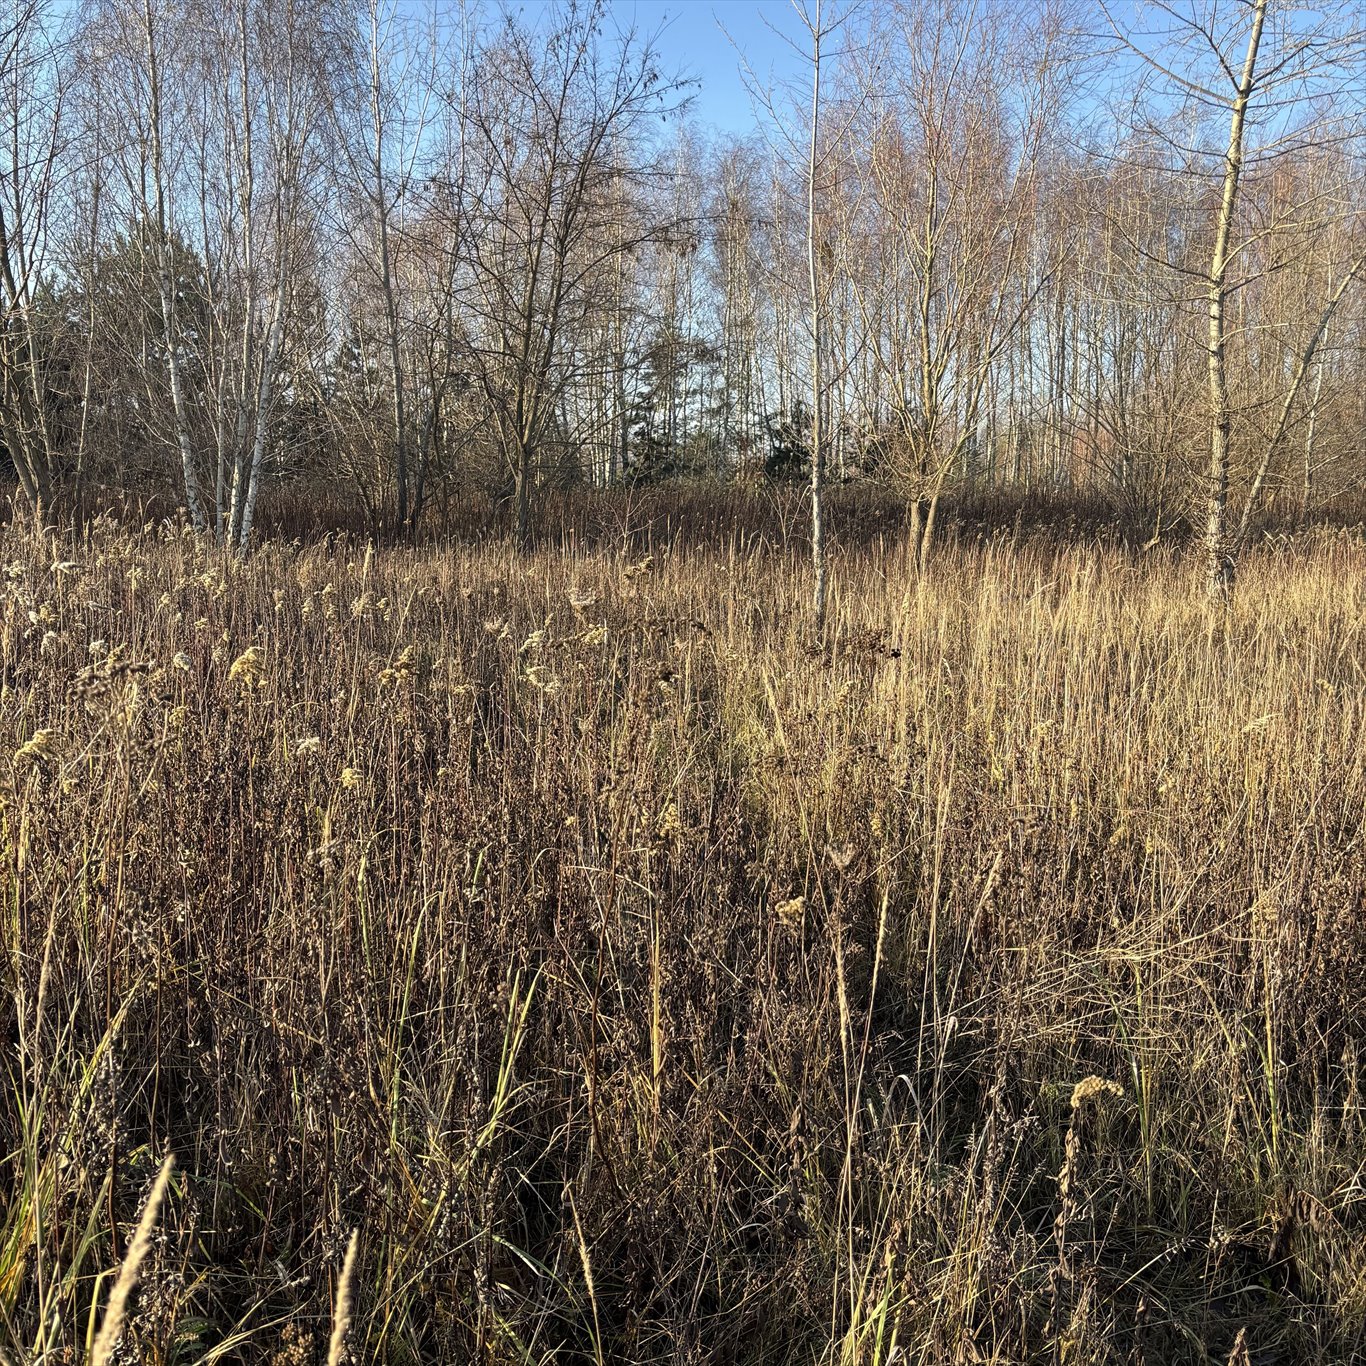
[643, 981]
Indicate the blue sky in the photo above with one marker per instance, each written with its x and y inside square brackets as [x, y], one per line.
[694, 42]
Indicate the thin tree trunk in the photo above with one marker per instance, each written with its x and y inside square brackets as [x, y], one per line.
[241, 468]
[1308, 494]
[263, 402]
[524, 497]
[1296, 384]
[167, 290]
[390, 301]
[1219, 551]
[817, 377]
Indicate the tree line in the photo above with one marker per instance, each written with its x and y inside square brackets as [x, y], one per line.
[412, 254]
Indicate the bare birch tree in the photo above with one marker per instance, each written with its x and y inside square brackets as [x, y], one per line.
[1253, 67]
[31, 94]
[817, 29]
[556, 123]
[944, 225]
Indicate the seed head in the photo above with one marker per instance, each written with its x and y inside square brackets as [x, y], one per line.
[247, 669]
[41, 748]
[670, 825]
[1094, 1088]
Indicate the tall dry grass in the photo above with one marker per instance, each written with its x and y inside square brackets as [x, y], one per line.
[647, 984]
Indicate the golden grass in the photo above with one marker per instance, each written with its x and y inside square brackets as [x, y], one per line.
[650, 984]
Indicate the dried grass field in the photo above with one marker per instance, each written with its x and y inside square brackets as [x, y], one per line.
[644, 983]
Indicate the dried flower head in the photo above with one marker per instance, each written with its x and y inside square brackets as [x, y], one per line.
[540, 677]
[402, 670]
[670, 825]
[581, 600]
[248, 668]
[1094, 1088]
[40, 748]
